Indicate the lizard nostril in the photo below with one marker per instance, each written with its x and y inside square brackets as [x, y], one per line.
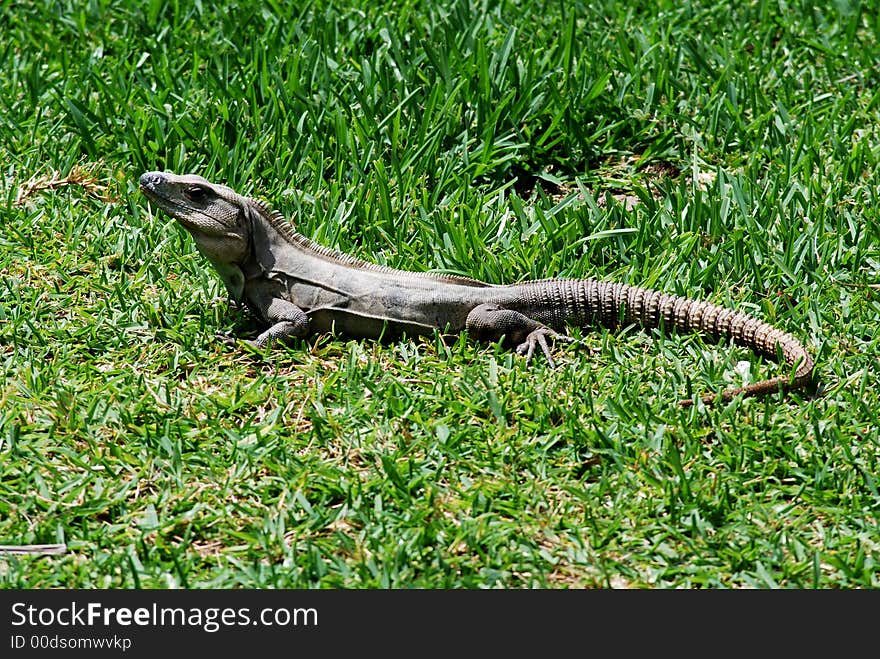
[151, 178]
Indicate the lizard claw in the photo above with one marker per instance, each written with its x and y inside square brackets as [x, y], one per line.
[230, 340]
[225, 337]
[539, 337]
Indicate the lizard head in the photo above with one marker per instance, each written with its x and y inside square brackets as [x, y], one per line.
[214, 214]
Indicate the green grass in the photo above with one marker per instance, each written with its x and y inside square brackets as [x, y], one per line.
[503, 141]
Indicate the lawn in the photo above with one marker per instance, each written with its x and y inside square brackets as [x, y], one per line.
[728, 153]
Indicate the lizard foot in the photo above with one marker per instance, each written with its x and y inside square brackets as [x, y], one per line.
[539, 337]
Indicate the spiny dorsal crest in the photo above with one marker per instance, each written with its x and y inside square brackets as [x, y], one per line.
[283, 226]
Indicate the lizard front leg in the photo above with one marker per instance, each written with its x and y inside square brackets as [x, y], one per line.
[288, 322]
[489, 322]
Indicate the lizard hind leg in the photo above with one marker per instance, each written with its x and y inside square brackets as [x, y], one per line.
[489, 322]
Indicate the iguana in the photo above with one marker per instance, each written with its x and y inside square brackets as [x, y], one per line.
[296, 286]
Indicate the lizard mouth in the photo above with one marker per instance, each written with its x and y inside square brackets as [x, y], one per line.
[175, 210]
[151, 194]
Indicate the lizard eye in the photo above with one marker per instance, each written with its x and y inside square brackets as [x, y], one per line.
[195, 193]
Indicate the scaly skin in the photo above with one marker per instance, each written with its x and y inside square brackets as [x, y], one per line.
[296, 286]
